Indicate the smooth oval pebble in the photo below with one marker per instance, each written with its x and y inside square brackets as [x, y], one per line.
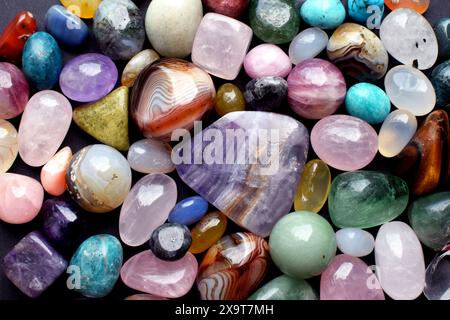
[267, 60]
[366, 11]
[53, 173]
[396, 132]
[136, 65]
[208, 231]
[98, 261]
[437, 277]
[440, 78]
[14, 91]
[230, 8]
[146, 207]
[325, 14]
[9, 146]
[349, 278]
[168, 279]
[337, 138]
[409, 89]
[150, 156]
[307, 45]
[355, 242]
[65, 27]
[21, 198]
[285, 288]
[170, 242]
[189, 210]
[229, 98]
[40, 135]
[442, 31]
[409, 38]
[400, 262]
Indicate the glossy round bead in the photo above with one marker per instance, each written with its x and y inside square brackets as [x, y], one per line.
[267, 60]
[171, 241]
[208, 231]
[355, 242]
[266, 94]
[229, 98]
[189, 211]
[307, 45]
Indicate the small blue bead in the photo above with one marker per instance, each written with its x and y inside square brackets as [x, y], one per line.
[65, 27]
[357, 10]
[324, 14]
[189, 211]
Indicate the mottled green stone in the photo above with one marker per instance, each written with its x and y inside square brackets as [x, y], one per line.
[274, 21]
[285, 288]
[430, 218]
[107, 119]
[442, 30]
[365, 199]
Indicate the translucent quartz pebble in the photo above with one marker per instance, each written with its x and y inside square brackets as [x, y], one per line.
[208, 231]
[437, 277]
[355, 242]
[267, 60]
[409, 38]
[397, 130]
[307, 44]
[150, 156]
[410, 89]
[8, 145]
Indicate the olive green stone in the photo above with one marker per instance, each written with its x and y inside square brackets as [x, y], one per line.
[229, 98]
[285, 288]
[107, 119]
[274, 21]
[365, 199]
[430, 218]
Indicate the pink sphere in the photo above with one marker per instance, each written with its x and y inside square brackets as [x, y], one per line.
[267, 60]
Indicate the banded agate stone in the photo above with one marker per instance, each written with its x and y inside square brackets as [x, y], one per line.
[16, 33]
[240, 179]
[14, 91]
[285, 288]
[233, 267]
[8, 145]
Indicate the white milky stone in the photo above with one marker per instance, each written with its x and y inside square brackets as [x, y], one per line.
[307, 44]
[409, 89]
[396, 132]
[399, 260]
[150, 156]
[355, 242]
[408, 37]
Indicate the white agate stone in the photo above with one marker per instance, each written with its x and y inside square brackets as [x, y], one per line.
[150, 156]
[307, 44]
[355, 242]
[397, 130]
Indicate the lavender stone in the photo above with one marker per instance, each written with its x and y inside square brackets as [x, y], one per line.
[88, 77]
[33, 265]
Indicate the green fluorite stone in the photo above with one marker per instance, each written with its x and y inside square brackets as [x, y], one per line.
[285, 288]
[430, 219]
[365, 199]
[274, 21]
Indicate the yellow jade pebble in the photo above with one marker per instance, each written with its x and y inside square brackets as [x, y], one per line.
[208, 231]
[82, 8]
[312, 193]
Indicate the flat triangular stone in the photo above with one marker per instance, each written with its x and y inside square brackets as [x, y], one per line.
[107, 119]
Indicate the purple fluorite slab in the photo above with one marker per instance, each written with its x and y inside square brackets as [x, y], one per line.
[88, 77]
[33, 265]
[248, 165]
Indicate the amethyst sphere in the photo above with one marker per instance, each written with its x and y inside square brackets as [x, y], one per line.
[88, 77]
[316, 89]
[14, 91]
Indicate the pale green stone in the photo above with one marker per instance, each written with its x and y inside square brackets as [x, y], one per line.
[285, 288]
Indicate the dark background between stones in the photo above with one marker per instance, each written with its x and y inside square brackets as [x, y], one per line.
[77, 139]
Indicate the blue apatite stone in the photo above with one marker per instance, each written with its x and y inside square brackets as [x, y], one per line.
[97, 261]
[42, 60]
[359, 10]
[65, 27]
[324, 14]
[440, 78]
[189, 211]
[368, 102]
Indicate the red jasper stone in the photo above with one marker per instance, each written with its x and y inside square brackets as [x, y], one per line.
[231, 8]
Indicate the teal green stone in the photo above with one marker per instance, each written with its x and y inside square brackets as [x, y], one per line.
[368, 102]
[365, 199]
[274, 21]
[442, 31]
[324, 14]
[97, 262]
[302, 244]
[430, 218]
[285, 288]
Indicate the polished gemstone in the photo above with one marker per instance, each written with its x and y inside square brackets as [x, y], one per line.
[355, 242]
[40, 136]
[146, 207]
[53, 173]
[442, 31]
[144, 296]
[363, 11]
[325, 14]
[208, 231]
[171, 241]
[267, 60]
[14, 91]
[241, 184]
[358, 52]
[440, 78]
[171, 94]
[378, 197]
[229, 98]
[336, 139]
[82, 8]
[266, 94]
[400, 262]
[223, 58]
[421, 6]
[437, 277]
[9, 146]
[106, 119]
[316, 89]
[189, 211]
[233, 267]
[314, 187]
[135, 66]
[98, 178]
[307, 45]
[16, 33]
[285, 288]
[231, 8]
[88, 77]
[302, 244]
[150, 156]
[65, 27]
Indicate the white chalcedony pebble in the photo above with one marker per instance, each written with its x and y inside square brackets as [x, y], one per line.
[355, 242]
[307, 44]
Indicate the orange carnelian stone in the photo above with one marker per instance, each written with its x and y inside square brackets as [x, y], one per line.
[421, 6]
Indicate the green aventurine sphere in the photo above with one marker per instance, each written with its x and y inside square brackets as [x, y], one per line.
[302, 244]
[274, 21]
[285, 288]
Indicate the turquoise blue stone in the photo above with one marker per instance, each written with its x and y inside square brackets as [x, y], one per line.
[189, 211]
[440, 78]
[359, 10]
[65, 27]
[98, 260]
[324, 14]
[368, 102]
[42, 60]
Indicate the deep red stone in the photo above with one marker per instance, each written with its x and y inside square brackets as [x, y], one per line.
[231, 8]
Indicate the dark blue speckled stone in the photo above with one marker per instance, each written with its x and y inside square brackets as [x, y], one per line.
[440, 77]
[65, 27]
[442, 30]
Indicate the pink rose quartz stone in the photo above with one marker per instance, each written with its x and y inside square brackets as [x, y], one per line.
[168, 279]
[53, 174]
[349, 278]
[21, 198]
[267, 60]
[344, 142]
